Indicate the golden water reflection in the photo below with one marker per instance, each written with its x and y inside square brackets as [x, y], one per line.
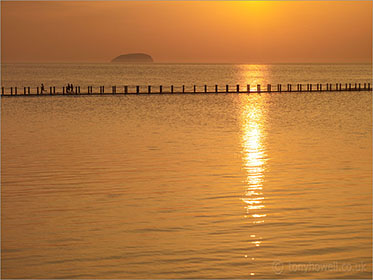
[255, 75]
[253, 155]
[254, 162]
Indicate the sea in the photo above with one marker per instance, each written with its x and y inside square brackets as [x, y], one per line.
[228, 185]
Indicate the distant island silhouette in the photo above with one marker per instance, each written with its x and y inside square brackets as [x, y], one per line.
[133, 58]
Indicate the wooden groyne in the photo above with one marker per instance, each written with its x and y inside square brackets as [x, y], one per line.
[102, 90]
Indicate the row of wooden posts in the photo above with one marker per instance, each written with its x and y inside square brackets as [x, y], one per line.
[227, 89]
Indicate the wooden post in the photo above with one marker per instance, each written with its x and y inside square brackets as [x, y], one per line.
[194, 88]
[355, 86]
[268, 87]
[320, 87]
[330, 87]
[290, 87]
[300, 87]
[54, 90]
[216, 88]
[160, 89]
[258, 88]
[137, 89]
[280, 87]
[368, 86]
[149, 89]
[349, 86]
[205, 88]
[125, 89]
[365, 86]
[310, 87]
[172, 89]
[183, 88]
[238, 88]
[359, 87]
[226, 88]
[248, 88]
[2, 90]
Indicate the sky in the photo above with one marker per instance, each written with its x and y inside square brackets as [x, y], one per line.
[187, 31]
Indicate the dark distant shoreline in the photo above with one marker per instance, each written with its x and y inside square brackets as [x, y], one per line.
[133, 58]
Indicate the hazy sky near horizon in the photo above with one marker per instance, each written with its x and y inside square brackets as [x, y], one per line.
[194, 31]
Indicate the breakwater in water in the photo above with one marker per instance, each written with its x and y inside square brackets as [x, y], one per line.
[183, 89]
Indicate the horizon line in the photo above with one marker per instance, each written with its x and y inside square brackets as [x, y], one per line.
[149, 63]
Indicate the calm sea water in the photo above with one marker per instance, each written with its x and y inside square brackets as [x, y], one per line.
[187, 186]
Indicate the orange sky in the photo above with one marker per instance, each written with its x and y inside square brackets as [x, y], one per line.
[206, 31]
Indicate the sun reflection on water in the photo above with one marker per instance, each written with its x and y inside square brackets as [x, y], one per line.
[253, 155]
[254, 162]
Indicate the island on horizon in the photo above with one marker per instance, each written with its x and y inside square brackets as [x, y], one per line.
[133, 58]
